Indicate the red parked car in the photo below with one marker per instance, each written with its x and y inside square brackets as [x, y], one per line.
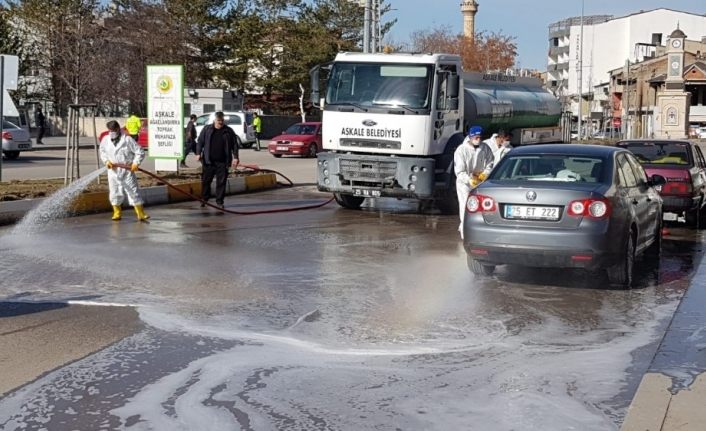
[300, 139]
[683, 165]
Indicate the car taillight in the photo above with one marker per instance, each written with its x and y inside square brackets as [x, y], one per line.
[596, 208]
[6, 135]
[677, 188]
[476, 203]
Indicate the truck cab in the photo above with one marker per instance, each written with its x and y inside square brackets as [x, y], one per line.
[391, 123]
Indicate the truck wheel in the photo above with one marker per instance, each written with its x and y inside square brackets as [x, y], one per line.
[12, 155]
[621, 273]
[478, 268]
[448, 202]
[348, 201]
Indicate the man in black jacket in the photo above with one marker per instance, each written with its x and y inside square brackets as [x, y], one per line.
[217, 149]
[190, 141]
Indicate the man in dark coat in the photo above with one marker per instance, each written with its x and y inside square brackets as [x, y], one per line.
[190, 141]
[39, 117]
[217, 149]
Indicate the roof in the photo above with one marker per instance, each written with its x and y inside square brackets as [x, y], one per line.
[573, 149]
[677, 34]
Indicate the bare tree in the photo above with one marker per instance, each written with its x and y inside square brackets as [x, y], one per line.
[488, 51]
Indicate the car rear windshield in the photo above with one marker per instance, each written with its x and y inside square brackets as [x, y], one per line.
[550, 167]
[660, 153]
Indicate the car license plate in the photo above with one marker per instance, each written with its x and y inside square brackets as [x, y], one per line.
[366, 192]
[282, 148]
[23, 146]
[531, 212]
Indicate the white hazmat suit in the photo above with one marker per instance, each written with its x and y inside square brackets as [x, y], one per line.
[122, 181]
[470, 162]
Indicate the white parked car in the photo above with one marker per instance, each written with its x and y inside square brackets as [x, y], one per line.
[14, 140]
[702, 133]
[239, 121]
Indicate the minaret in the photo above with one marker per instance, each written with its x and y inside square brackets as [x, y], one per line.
[469, 8]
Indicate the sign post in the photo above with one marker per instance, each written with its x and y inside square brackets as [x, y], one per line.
[165, 115]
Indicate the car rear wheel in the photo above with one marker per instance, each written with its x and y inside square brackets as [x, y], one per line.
[621, 273]
[313, 149]
[478, 268]
[348, 201]
[12, 155]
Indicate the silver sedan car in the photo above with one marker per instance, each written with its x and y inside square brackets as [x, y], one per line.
[565, 205]
[14, 140]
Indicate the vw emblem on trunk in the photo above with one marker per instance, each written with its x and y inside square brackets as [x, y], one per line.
[531, 195]
[369, 123]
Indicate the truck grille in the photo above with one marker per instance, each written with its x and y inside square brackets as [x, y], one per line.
[371, 143]
[367, 170]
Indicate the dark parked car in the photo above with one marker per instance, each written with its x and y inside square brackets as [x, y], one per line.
[682, 164]
[585, 206]
[300, 139]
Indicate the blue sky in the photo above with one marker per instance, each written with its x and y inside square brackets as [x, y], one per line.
[525, 19]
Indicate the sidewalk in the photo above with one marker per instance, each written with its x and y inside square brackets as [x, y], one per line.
[672, 394]
[59, 143]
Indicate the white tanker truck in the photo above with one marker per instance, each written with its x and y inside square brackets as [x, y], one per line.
[391, 123]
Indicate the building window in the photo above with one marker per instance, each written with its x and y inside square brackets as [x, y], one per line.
[656, 38]
[187, 108]
[555, 41]
[209, 107]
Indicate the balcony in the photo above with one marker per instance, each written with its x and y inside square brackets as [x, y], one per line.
[558, 50]
[697, 114]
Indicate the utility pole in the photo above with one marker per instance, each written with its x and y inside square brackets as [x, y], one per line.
[627, 100]
[366, 26]
[580, 73]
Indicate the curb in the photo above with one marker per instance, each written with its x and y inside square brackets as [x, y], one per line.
[95, 202]
[671, 393]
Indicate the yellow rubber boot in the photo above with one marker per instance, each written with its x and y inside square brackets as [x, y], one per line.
[140, 211]
[117, 212]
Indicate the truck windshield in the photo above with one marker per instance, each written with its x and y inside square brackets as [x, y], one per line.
[367, 84]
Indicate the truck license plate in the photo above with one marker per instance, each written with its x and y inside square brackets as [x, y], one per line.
[367, 193]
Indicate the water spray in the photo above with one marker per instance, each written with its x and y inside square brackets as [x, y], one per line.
[248, 168]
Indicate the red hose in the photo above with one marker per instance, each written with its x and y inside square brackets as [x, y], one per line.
[250, 167]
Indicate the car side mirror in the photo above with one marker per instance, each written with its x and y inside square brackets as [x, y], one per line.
[657, 180]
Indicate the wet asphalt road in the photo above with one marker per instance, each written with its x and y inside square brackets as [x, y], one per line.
[332, 319]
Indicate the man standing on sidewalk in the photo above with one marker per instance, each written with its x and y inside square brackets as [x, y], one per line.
[257, 125]
[217, 149]
[39, 118]
[190, 141]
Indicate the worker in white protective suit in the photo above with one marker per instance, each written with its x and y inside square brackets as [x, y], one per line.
[501, 146]
[473, 161]
[119, 148]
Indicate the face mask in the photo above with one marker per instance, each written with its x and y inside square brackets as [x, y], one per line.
[114, 135]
